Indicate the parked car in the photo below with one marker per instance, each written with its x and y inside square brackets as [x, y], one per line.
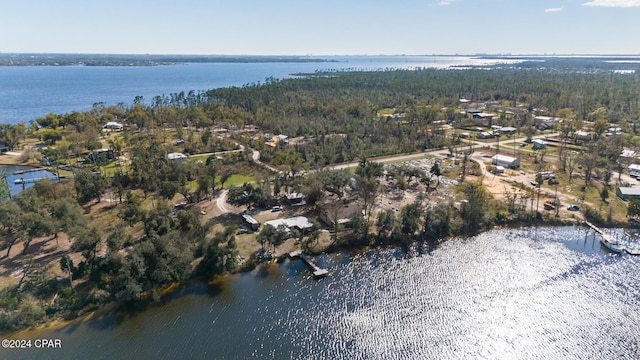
[573, 207]
[534, 183]
[276, 208]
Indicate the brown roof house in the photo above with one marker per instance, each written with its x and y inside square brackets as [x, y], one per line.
[329, 214]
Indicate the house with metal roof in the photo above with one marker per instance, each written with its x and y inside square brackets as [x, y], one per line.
[299, 222]
[626, 193]
[177, 157]
[505, 161]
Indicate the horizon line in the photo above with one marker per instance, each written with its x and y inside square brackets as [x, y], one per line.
[321, 55]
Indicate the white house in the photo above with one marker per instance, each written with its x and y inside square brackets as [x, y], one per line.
[626, 153]
[177, 157]
[505, 161]
[583, 135]
[113, 125]
[626, 193]
[508, 130]
[539, 144]
[299, 222]
[634, 167]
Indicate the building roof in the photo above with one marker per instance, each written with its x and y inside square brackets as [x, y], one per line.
[249, 219]
[630, 191]
[299, 222]
[113, 124]
[294, 196]
[628, 153]
[176, 156]
[504, 158]
[346, 212]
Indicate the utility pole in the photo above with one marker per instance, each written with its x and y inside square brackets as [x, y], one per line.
[538, 201]
[557, 203]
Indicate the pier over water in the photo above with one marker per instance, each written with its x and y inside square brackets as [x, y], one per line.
[612, 243]
[318, 272]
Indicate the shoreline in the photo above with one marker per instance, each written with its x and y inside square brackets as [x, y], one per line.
[164, 294]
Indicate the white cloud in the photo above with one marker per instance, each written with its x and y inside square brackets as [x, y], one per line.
[614, 3]
[445, 2]
[553, 9]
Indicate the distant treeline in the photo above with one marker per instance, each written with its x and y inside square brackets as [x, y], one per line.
[139, 60]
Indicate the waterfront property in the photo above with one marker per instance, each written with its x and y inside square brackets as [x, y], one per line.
[342, 215]
[508, 293]
[300, 223]
[318, 272]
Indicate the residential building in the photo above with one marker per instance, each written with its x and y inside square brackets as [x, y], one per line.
[294, 198]
[177, 157]
[343, 214]
[113, 125]
[626, 193]
[539, 144]
[506, 161]
[300, 223]
[251, 222]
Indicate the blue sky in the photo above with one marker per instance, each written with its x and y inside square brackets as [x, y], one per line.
[327, 27]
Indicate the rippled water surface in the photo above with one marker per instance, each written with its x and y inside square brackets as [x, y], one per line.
[528, 294]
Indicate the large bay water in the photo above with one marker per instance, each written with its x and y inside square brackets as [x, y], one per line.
[548, 293]
[27, 93]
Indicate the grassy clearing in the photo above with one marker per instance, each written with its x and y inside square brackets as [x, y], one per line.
[386, 112]
[237, 179]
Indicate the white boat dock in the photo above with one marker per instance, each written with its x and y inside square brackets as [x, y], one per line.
[611, 243]
[318, 272]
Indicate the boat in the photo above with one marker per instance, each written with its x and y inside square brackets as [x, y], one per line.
[613, 246]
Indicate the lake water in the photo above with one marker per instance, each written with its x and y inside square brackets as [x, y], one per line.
[33, 91]
[19, 178]
[551, 293]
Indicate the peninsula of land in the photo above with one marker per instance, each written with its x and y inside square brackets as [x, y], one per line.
[45, 59]
[190, 186]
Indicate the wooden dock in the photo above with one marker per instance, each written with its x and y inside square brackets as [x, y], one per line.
[317, 271]
[608, 239]
[604, 235]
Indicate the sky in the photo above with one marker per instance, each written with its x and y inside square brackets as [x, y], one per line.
[320, 27]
